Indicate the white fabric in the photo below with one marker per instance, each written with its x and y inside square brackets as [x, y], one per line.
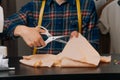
[1, 19]
[3, 62]
[99, 3]
[3, 51]
[110, 22]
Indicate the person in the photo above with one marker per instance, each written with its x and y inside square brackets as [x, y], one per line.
[60, 18]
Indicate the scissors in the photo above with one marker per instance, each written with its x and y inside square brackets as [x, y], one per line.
[51, 38]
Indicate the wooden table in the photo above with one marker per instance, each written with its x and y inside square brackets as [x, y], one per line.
[105, 71]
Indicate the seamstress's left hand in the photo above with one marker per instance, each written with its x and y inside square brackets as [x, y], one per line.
[74, 34]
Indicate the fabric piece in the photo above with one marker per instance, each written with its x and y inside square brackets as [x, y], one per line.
[50, 60]
[77, 53]
[110, 23]
[99, 3]
[79, 49]
[105, 58]
[1, 19]
[3, 62]
[46, 60]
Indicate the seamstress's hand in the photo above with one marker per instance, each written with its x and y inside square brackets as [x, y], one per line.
[74, 34]
[31, 36]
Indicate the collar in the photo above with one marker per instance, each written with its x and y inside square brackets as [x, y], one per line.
[72, 2]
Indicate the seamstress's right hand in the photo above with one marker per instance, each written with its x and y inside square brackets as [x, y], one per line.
[31, 35]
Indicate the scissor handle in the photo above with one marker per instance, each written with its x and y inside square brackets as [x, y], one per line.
[41, 47]
[46, 42]
[46, 31]
[43, 28]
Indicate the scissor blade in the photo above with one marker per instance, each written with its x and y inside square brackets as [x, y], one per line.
[58, 37]
[61, 41]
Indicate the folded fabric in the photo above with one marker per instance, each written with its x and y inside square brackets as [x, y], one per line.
[3, 62]
[80, 49]
[49, 60]
[77, 53]
[38, 60]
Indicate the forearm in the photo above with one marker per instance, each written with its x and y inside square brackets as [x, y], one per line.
[19, 18]
[9, 27]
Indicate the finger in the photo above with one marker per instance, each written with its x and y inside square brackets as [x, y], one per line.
[40, 30]
[34, 44]
[31, 45]
[41, 41]
[77, 34]
[37, 43]
[74, 34]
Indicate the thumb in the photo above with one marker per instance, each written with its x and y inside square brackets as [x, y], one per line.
[40, 30]
[74, 34]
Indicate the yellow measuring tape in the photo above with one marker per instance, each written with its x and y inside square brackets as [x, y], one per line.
[40, 20]
[79, 15]
[41, 13]
[41, 16]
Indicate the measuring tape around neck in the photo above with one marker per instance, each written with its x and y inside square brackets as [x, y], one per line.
[40, 20]
[79, 16]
